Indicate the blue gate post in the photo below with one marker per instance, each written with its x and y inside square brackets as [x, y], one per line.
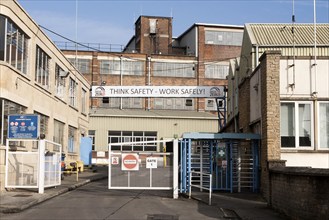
[230, 158]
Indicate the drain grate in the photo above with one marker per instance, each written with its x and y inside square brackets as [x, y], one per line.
[21, 195]
[162, 217]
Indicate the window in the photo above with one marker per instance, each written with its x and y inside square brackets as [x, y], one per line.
[72, 92]
[135, 68]
[296, 124]
[211, 105]
[58, 132]
[7, 108]
[174, 103]
[83, 65]
[59, 81]
[43, 125]
[91, 134]
[127, 103]
[42, 68]
[133, 136]
[174, 69]
[189, 102]
[216, 71]
[13, 45]
[224, 38]
[83, 101]
[324, 125]
[71, 139]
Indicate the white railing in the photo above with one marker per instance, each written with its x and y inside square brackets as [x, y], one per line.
[200, 185]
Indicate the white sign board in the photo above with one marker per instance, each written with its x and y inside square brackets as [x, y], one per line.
[151, 162]
[100, 154]
[158, 91]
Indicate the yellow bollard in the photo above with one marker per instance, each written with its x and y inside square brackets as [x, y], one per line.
[165, 157]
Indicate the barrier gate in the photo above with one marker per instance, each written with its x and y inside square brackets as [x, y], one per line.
[144, 170]
[229, 160]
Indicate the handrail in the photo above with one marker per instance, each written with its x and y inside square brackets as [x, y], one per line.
[200, 186]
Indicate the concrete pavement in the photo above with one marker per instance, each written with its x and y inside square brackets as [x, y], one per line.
[226, 205]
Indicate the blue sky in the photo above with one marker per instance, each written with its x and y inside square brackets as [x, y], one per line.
[112, 21]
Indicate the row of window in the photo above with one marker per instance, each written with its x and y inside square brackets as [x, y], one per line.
[115, 137]
[227, 38]
[137, 68]
[9, 108]
[15, 51]
[297, 125]
[159, 103]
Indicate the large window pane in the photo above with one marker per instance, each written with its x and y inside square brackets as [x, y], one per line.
[2, 37]
[324, 125]
[304, 112]
[71, 139]
[287, 125]
[42, 68]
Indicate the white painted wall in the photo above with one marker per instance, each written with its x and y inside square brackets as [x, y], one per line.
[308, 78]
[314, 160]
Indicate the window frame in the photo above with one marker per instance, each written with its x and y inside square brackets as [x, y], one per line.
[72, 92]
[318, 126]
[15, 54]
[296, 124]
[72, 135]
[42, 68]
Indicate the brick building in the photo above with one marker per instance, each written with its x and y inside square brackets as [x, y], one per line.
[153, 57]
[279, 88]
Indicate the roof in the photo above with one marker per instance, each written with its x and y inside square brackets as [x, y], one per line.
[239, 27]
[282, 34]
[103, 112]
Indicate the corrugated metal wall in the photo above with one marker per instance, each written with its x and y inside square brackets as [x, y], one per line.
[166, 127]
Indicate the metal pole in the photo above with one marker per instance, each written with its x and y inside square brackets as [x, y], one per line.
[190, 186]
[41, 170]
[110, 164]
[121, 79]
[175, 173]
[201, 168]
[148, 80]
[151, 177]
[210, 188]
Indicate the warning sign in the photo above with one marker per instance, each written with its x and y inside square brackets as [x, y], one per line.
[130, 162]
[115, 160]
[151, 163]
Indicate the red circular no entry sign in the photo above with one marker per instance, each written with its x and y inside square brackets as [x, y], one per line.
[129, 162]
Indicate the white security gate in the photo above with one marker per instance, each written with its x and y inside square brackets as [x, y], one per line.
[144, 170]
[39, 167]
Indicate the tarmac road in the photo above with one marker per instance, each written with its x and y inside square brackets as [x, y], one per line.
[96, 201]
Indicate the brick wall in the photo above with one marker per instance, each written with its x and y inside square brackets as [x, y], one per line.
[244, 106]
[270, 111]
[300, 193]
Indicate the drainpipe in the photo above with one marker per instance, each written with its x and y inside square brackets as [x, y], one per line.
[148, 80]
[257, 57]
[121, 79]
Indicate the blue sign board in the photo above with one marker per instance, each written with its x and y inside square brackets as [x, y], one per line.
[23, 126]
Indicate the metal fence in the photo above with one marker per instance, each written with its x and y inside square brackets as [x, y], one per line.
[150, 171]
